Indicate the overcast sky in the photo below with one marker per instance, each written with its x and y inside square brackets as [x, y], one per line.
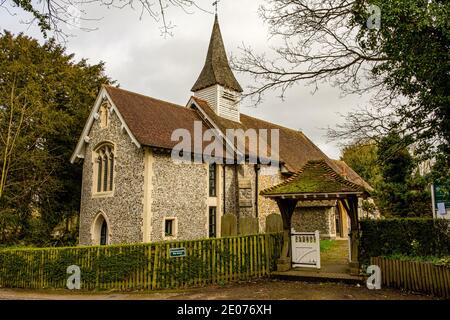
[143, 61]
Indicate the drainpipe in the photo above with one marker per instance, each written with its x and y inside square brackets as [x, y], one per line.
[236, 191]
[224, 188]
[257, 167]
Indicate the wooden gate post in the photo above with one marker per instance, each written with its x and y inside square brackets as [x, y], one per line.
[354, 235]
[287, 207]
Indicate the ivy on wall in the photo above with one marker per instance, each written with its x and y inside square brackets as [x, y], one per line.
[143, 266]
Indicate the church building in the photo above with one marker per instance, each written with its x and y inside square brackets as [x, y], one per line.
[133, 191]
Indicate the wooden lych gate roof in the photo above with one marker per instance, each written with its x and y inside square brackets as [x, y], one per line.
[316, 180]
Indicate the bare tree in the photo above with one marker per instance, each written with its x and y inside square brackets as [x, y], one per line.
[57, 16]
[19, 147]
[336, 41]
[317, 42]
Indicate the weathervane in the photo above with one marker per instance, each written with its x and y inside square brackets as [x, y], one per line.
[216, 4]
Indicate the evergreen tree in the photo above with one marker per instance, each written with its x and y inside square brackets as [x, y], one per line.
[402, 191]
[390, 168]
[45, 99]
[362, 158]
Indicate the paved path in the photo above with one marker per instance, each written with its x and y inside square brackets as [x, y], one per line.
[260, 290]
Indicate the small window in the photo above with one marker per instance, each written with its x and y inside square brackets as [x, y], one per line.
[169, 228]
[104, 234]
[104, 116]
[212, 180]
[105, 169]
[212, 222]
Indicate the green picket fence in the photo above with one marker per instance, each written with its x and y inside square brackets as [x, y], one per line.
[143, 266]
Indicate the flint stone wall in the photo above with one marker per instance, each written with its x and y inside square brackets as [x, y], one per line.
[247, 176]
[179, 191]
[230, 190]
[268, 177]
[125, 206]
[243, 182]
[310, 219]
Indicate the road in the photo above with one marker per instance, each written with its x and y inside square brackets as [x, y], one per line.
[259, 290]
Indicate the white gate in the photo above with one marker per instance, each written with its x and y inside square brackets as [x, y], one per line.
[305, 249]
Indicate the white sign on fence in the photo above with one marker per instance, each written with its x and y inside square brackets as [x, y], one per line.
[441, 208]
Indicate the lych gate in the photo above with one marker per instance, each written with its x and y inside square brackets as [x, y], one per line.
[316, 181]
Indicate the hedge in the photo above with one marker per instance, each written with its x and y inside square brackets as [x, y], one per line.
[143, 266]
[417, 237]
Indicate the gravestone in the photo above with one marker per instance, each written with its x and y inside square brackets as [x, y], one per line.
[248, 225]
[229, 225]
[274, 223]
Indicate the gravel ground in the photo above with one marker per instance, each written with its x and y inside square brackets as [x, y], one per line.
[259, 290]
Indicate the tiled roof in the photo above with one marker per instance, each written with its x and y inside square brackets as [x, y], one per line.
[153, 121]
[216, 69]
[295, 149]
[315, 177]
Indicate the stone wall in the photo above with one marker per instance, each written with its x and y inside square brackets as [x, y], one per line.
[230, 190]
[247, 193]
[179, 191]
[332, 222]
[267, 178]
[310, 219]
[124, 207]
[241, 181]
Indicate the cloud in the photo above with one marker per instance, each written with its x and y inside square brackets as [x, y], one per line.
[141, 60]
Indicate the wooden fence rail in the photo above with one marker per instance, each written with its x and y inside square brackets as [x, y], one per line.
[415, 276]
[143, 266]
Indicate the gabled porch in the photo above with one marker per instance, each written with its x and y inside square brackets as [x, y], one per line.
[317, 181]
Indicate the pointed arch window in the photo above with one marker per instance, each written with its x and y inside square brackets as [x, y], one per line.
[104, 234]
[105, 168]
[100, 230]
